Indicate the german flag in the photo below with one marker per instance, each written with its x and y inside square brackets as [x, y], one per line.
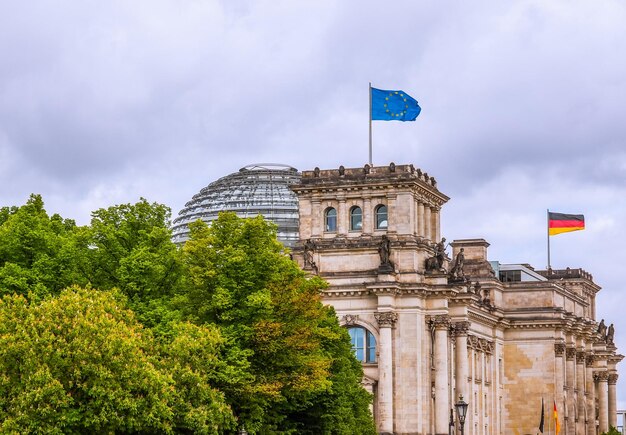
[557, 425]
[562, 223]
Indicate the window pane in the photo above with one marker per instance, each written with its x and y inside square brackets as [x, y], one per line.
[381, 217]
[371, 348]
[356, 218]
[331, 219]
[357, 337]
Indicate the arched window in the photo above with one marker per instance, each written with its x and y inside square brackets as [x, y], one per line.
[363, 344]
[356, 218]
[381, 217]
[330, 219]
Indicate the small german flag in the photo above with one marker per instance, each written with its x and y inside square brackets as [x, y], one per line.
[562, 223]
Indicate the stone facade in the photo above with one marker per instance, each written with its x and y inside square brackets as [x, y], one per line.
[445, 327]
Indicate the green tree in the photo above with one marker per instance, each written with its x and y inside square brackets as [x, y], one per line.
[37, 252]
[239, 278]
[81, 363]
[129, 247]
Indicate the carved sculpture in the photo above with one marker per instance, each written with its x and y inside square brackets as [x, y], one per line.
[309, 249]
[436, 262]
[602, 329]
[456, 273]
[384, 251]
[610, 335]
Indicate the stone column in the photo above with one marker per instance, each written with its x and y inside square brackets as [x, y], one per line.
[591, 396]
[420, 219]
[427, 231]
[462, 370]
[436, 222]
[602, 378]
[559, 350]
[368, 216]
[342, 218]
[386, 321]
[612, 380]
[441, 324]
[580, 396]
[570, 374]
[317, 220]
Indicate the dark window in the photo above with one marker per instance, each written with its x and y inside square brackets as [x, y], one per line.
[510, 275]
[356, 218]
[330, 219]
[381, 217]
[363, 344]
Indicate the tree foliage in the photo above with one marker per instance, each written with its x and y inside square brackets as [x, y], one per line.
[238, 277]
[225, 332]
[81, 363]
[37, 253]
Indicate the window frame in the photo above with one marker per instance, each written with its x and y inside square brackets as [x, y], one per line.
[352, 215]
[369, 348]
[327, 228]
[377, 222]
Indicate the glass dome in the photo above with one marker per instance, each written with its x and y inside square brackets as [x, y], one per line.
[256, 189]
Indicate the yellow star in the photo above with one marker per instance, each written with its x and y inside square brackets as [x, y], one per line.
[386, 98]
[385, 105]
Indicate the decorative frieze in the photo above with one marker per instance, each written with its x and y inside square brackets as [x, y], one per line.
[350, 319]
[460, 328]
[559, 349]
[602, 376]
[386, 319]
[570, 353]
[440, 321]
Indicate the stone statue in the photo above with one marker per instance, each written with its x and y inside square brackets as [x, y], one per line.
[440, 252]
[309, 248]
[610, 335]
[383, 250]
[602, 329]
[436, 261]
[456, 273]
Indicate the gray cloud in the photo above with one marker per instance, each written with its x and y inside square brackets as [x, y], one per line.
[523, 107]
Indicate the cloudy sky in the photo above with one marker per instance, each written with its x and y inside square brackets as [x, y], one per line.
[523, 108]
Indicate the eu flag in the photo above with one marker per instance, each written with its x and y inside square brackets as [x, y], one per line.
[393, 106]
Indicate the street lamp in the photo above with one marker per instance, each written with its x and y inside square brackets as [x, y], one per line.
[242, 431]
[461, 411]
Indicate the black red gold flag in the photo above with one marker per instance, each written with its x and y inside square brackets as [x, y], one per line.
[562, 223]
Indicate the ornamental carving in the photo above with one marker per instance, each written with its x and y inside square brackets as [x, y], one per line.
[386, 319]
[440, 321]
[613, 378]
[486, 346]
[559, 348]
[601, 376]
[350, 319]
[473, 342]
[580, 357]
[460, 328]
[590, 359]
[570, 353]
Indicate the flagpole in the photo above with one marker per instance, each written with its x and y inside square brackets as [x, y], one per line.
[548, 230]
[370, 112]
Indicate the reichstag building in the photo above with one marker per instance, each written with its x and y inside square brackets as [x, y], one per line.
[430, 327]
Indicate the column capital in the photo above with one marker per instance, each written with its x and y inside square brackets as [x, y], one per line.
[580, 357]
[570, 353]
[602, 376]
[440, 321]
[386, 319]
[590, 359]
[460, 328]
[559, 348]
[613, 378]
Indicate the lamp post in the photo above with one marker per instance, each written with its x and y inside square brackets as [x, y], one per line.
[242, 431]
[461, 411]
[451, 424]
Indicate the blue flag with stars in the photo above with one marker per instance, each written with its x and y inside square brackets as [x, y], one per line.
[393, 106]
